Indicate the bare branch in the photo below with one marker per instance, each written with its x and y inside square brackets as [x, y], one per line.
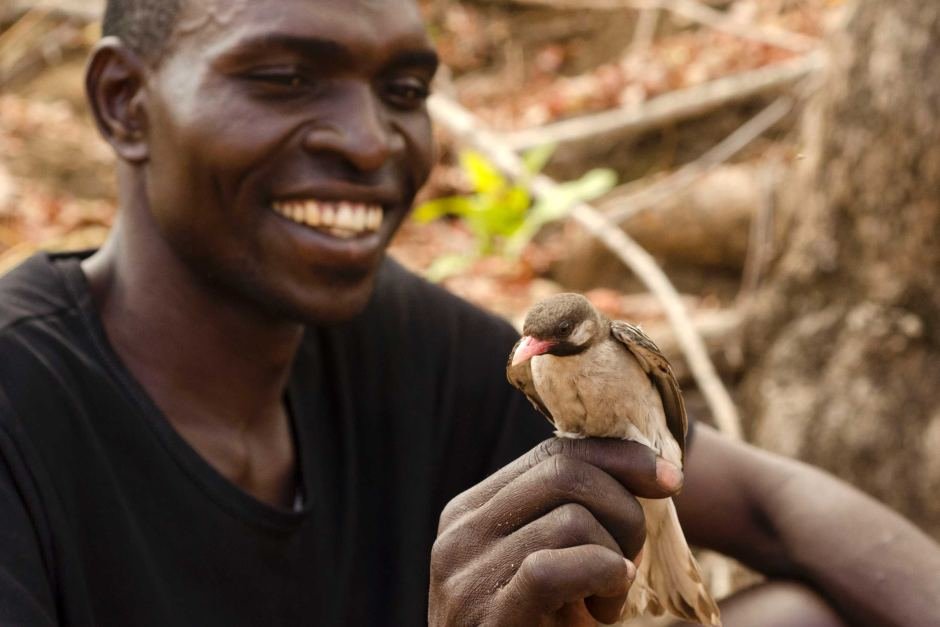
[700, 13]
[625, 205]
[84, 11]
[671, 107]
[645, 32]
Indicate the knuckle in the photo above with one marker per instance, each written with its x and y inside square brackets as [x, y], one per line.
[565, 526]
[568, 476]
[573, 523]
[452, 601]
[447, 549]
[451, 513]
[536, 574]
[440, 553]
[545, 450]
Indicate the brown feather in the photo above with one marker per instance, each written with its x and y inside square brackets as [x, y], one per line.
[660, 373]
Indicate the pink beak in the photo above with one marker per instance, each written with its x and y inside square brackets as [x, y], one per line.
[529, 347]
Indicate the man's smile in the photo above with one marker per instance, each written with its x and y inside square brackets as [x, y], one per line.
[344, 219]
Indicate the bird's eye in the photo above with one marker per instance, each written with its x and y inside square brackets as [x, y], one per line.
[565, 327]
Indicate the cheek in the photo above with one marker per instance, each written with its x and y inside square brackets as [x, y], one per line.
[419, 142]
[209, 125]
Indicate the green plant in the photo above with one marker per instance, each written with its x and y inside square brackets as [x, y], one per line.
[502, 214]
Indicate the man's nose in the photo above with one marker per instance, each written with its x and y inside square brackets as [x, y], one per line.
[358, 129]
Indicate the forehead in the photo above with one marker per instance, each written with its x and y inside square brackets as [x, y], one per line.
[363, 27]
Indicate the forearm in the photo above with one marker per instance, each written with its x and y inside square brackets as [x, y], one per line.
[788, 520]
[874, 565]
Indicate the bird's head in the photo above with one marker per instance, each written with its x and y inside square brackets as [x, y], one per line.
[564, 324]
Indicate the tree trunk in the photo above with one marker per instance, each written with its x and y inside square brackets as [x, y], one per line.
[845, 334]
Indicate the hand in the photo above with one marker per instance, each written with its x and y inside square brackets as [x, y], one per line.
[543, 541]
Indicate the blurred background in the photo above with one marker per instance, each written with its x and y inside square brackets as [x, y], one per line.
[778, 160]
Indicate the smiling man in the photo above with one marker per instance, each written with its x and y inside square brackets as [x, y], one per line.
[238, 412]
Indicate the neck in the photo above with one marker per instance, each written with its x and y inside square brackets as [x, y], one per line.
[204, 358]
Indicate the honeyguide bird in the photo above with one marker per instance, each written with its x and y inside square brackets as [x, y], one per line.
[593, 377]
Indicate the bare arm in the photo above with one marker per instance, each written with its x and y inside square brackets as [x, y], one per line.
[787, 519]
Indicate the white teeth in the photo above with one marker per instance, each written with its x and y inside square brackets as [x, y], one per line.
[343, 219]
[312, 217]
[359, 217]
[327, 215]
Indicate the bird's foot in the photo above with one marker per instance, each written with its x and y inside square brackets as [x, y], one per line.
[569, 434]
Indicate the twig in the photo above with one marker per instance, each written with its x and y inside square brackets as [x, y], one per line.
[80, 11]
[668, 108]
[645, 32]
[624, 205]
[468, 129]
[760, 247]
[788, 40]
[21, 28]
[700, 13]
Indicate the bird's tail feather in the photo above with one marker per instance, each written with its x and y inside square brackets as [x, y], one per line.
[668, 577]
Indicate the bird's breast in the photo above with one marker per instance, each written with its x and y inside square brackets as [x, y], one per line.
[602, 392]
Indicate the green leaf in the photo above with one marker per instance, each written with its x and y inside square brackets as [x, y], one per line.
[592, 185]
[484, 177]
[537, 158]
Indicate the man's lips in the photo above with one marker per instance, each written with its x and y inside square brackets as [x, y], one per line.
[343, 219]
[342, 234]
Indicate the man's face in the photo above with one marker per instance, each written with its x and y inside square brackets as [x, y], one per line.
[287, 141]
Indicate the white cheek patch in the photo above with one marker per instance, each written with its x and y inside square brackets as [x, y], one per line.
[583, 333]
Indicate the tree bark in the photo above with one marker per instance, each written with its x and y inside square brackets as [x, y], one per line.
[845, 334]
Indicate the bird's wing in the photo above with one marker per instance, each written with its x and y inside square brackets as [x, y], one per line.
[520, 376]
[660, 372]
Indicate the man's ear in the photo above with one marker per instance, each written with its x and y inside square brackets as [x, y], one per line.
[115, 86]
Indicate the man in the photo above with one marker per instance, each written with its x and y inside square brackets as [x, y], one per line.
[238, 413]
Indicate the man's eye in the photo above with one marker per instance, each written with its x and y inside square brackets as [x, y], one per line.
[408, 92]
[288, 79]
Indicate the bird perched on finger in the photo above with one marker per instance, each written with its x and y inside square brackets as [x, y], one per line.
[593, 377]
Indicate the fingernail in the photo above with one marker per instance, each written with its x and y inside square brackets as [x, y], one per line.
[631, 569]
[639, 558]
[668, 475]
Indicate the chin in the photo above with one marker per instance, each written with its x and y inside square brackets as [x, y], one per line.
[328, 305]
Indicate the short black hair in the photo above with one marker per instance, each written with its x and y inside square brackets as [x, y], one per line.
[143, 25]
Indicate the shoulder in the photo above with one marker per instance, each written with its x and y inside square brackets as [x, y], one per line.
[41, 339]
[38, 313]
[33, 290]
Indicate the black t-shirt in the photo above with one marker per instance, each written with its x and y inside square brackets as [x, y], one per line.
[108, 517]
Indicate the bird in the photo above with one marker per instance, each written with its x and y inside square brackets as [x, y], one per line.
[593, 377]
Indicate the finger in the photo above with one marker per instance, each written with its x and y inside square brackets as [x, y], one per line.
[576, 615]
[565, 526]
[548, 580]
[555, 482]
[606, 610]
[568, 525]
[635, 466]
